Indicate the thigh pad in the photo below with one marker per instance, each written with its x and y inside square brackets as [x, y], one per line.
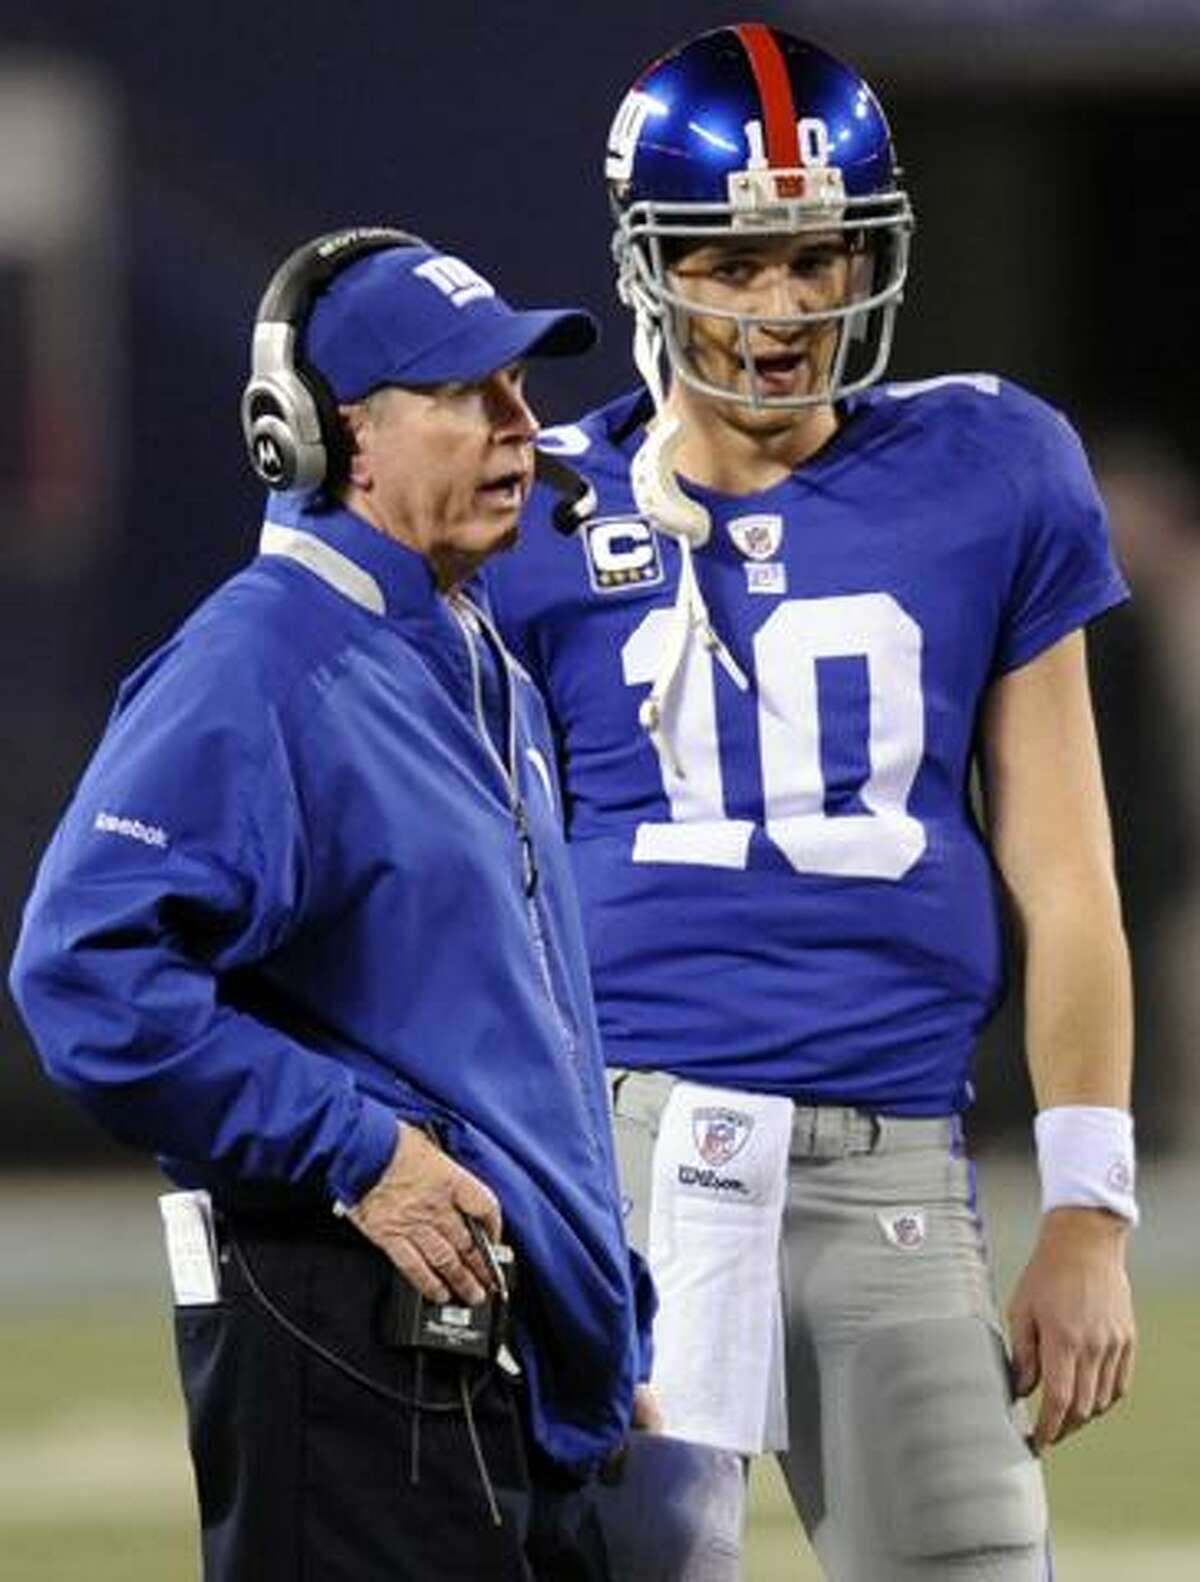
[941, 1450]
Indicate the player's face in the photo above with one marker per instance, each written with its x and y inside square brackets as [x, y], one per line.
[770, 279]
[446, 470]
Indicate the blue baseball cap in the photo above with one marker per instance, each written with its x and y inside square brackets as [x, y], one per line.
[416, 316]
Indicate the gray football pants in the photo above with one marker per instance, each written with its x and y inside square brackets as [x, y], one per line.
[907, 1457]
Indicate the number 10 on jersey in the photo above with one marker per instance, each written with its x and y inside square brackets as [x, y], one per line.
[883, 841]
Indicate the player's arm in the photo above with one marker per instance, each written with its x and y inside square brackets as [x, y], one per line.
[1071, 1314]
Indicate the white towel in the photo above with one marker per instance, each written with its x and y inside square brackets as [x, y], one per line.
[716, 1209]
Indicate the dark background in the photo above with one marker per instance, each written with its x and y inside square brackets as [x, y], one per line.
[1051, 153]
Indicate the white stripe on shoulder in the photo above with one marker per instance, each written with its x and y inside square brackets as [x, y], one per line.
[564, 439]
[315, 555]
[986, 384]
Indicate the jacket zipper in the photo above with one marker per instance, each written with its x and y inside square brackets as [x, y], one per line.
[464, 613]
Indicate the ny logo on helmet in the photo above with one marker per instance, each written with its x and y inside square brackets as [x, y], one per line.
[624, 133]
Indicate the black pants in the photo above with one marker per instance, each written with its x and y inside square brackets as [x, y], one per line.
[305, 1474]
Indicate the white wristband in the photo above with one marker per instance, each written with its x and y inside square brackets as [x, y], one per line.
[1086, 1158]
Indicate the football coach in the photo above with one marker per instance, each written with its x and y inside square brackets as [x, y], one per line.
[307, 933]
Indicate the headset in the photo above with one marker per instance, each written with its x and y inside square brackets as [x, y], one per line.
[289, 415]
[576, 501]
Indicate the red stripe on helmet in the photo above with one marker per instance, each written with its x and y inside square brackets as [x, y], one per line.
[775, 92]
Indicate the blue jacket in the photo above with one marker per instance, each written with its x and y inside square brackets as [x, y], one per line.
[289, 902]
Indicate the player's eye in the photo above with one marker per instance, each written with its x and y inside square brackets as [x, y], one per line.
[734, 271]
[819, 261]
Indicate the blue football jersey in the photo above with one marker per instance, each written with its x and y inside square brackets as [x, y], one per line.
[796, 898]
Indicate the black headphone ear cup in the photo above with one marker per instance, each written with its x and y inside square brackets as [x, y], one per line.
[281, 422]
[293, 433]
[281, 451]
[333, 440]
[273, 452]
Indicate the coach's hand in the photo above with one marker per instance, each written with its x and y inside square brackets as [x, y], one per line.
[414, 1212]
[647, 1410]
[1071, 1321]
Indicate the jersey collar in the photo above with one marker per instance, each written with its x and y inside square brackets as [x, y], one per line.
[364, 565]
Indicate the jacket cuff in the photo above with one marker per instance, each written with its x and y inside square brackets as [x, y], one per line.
[366, 1155]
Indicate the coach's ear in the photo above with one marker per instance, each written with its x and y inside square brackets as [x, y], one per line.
[357, 428]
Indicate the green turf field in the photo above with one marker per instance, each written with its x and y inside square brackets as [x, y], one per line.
[95, 1483]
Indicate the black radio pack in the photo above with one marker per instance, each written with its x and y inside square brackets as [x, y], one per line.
[412, 1320]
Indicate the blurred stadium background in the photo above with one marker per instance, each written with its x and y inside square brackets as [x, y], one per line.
[156, 161]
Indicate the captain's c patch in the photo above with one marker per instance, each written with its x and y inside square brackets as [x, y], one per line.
[622, 554]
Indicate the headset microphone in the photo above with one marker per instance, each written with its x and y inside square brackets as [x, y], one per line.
[576, 496]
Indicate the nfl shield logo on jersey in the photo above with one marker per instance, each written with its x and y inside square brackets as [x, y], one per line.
[720, 1135]
[758, 537]
[905, 1229]
[622, 554]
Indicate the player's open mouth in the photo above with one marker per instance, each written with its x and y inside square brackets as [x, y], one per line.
[508, 490]
[778, 367]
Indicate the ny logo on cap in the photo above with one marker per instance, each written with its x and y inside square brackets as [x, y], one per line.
[455, 280]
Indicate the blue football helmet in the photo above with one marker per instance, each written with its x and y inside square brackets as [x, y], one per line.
[746, 129]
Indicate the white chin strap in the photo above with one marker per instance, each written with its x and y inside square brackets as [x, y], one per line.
[652, 471]
[659, 498]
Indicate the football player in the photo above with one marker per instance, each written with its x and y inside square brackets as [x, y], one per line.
[808, 607]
